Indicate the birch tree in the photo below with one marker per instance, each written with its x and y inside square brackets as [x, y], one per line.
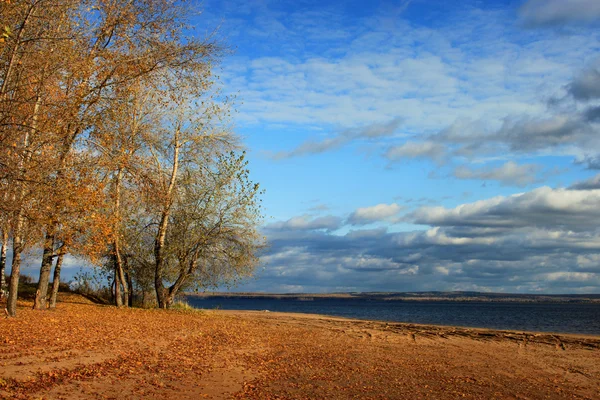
[103, 101]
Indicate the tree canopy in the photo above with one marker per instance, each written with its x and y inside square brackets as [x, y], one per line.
[115, 145]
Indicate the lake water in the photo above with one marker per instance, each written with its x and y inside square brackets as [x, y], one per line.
[581, 318]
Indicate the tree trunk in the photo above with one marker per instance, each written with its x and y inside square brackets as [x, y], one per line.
[125, 284]
[13, 288]
[41, 294]
[159, 244]
[161, 291]
[13, 55]
[56, 280]
[169, 300]
[3, 262]
[118, 297]
[118, 259]
[130, 285]
[112, 291]
[179, 282]
[18, 240]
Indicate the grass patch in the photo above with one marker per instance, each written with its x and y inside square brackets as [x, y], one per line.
[182, 305]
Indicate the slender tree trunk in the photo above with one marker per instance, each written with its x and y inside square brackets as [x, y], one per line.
[41, 294]
[124, 282]
[13, 55]
[161, 291]
[18, 240]
[3, 262]
[112, 290]
[56, 280]
[117, 244]
[118, 296]
[13, 288]
[130, 284]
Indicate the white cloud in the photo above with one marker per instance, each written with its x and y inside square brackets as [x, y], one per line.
[427, 76]
[527, 134]
[573, 277]
[588, 184]
[475, 88]
[589, 262]
[542, 207]
[384, 68]
[319, 208]
[410, 149]
[586, 85]
[559, 12]
[508, 174]
[372, 131]
[542, 240]
[367, 233]
[378, 213]
[305, 222]
[564, 134]
[438, 237]
[366, 263]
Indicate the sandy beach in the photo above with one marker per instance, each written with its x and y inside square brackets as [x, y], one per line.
[86, 351]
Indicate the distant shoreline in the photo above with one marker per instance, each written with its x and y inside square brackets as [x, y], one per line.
[412, 296]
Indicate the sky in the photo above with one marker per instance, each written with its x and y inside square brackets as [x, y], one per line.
[419, 145]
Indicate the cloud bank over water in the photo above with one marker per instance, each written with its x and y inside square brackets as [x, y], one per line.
[545, 240]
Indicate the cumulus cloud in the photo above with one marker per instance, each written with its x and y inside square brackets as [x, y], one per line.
[440, 258]
[588, 184]
[426, 78]
[367, 233]
[570, 129]
[381, 67]
[559, 12]
[372, 131]
[319, 207]
[367, 263]
[592, 114]
[378, 213]
[411, 149]
[508, 174]
[586, 85]
[520, 134]
[590, 161]
[529, 134]
[541, 240]
[541, 208]
[562, 133]
[558, 134]
[305, 223]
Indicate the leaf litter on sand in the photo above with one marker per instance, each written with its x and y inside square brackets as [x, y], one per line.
[82, 350]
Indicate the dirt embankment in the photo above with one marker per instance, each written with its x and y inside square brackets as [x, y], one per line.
[83, 351]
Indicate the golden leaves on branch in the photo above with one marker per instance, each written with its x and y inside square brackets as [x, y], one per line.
[114, 124]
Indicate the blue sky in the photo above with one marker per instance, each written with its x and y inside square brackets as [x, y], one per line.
[420, 145]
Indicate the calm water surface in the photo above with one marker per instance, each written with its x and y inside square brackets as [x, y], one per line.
[541, 317]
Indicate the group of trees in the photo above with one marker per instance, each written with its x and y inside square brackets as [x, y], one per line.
[115, 146]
